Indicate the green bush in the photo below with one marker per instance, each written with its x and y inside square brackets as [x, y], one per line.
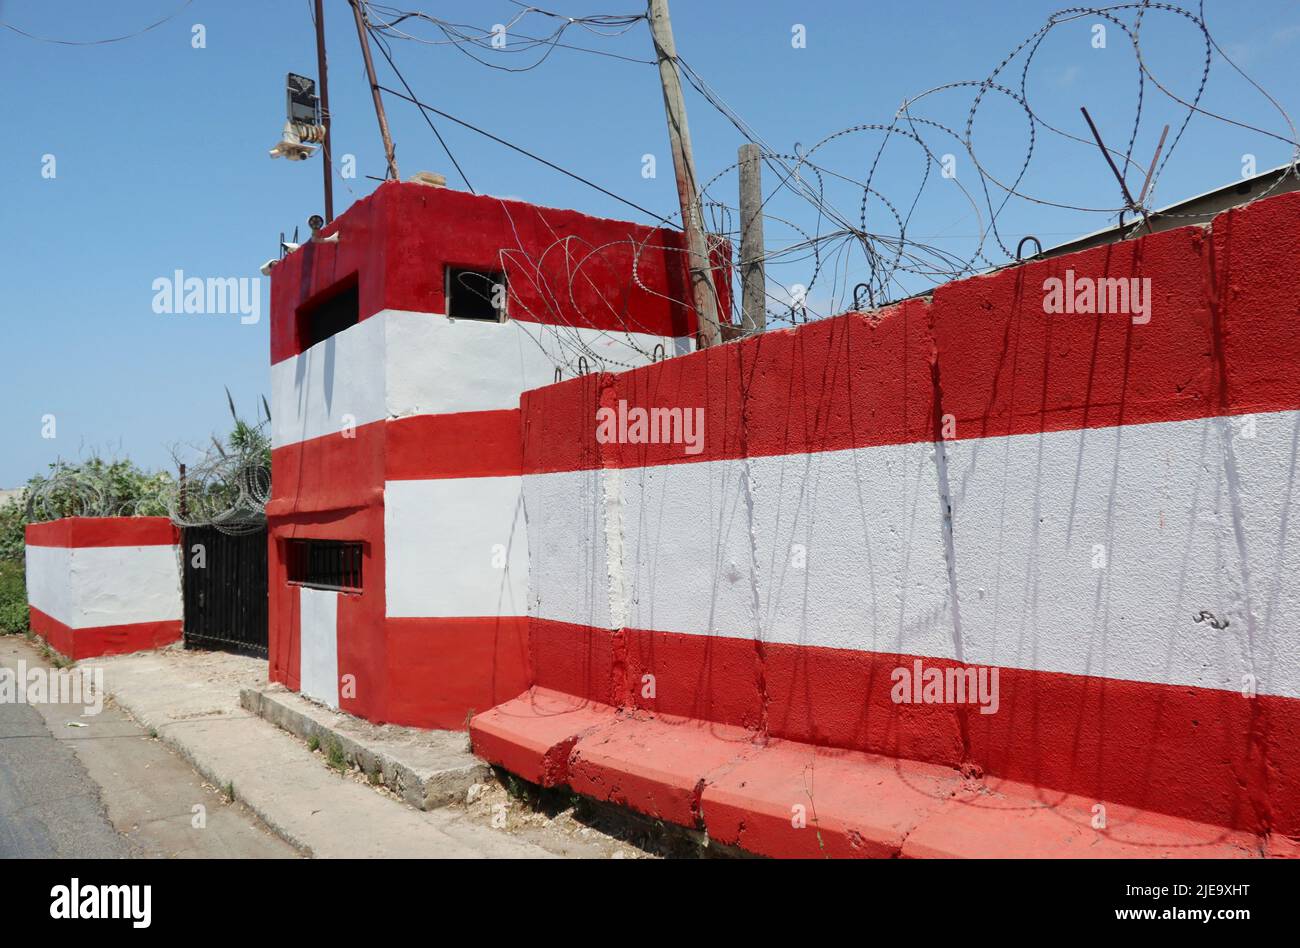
[97, 487]
[13, 586]
[13, 597]
[13, 518]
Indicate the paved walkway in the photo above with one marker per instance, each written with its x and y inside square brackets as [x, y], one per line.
[192, 700]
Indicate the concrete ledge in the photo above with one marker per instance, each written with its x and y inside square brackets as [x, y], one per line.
[1007, 820]
[658, 766]
[797, 801]
[786, 799]
[533, 735]
[427, 769]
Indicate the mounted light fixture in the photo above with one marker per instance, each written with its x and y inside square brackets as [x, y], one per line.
[303, 130]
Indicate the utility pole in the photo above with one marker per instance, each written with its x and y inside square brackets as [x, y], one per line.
[325, 110]
[753, 279]
[374, 91]
[702, 288]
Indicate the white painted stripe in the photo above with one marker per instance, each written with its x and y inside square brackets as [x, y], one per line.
[334, 383]
[455, 547]
[90, 587]
[49, 582]
[569, 569]
[319, 675]
[710, 548]
[397, 364]
[439, 365]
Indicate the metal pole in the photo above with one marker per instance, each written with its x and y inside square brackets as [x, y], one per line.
[753, 279]
[374, 90]
[702, 288]
[325, 110]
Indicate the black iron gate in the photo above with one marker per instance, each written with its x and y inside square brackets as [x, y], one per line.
[225, 590]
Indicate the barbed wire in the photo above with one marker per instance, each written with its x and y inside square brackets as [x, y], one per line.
[839, 224]
[228, 487]
[891, 263]
[90, 490]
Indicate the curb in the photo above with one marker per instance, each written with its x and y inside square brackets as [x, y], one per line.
[424, 789]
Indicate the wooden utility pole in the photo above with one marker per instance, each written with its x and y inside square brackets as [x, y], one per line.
[325, 110]
[753, 279]
[374, 90]
[702, 288]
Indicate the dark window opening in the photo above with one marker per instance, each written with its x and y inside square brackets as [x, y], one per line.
[325, 564]
[476, 294]
[329, 315]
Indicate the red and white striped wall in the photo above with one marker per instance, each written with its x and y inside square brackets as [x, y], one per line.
[1102, 510]
[104, 585]
[403, 432]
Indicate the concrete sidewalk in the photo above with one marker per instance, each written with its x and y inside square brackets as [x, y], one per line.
[191, 700]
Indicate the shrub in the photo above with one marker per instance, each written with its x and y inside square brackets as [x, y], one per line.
[97, 488]
[13, 518]
[13, 597]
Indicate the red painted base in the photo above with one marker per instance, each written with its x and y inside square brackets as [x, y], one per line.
[105, 639]
[792, 800]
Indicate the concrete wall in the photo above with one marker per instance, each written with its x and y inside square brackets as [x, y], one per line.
[104, 585]
[1098, 506]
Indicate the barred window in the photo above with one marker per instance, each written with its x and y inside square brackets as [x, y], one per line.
[325, 564]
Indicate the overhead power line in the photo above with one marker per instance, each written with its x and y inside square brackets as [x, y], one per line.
[524, 151]
[433, 128]
[100, 42]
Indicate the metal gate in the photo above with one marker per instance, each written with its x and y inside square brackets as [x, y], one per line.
[225, 590]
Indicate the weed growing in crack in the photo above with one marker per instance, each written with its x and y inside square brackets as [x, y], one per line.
[335, 757]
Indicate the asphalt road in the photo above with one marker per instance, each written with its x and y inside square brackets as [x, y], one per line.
[108, 789]
[49, 807]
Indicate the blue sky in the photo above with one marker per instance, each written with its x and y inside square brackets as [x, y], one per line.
[161, 157]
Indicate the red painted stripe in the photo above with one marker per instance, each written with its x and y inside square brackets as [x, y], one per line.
[981, 360]
[335, 472]
[103, 531]
[461, 444]
[396, 243]
[558, 425]
[338, 471]
[1253, 254]
[105, 639]
[1129, 742]
[441, 671]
